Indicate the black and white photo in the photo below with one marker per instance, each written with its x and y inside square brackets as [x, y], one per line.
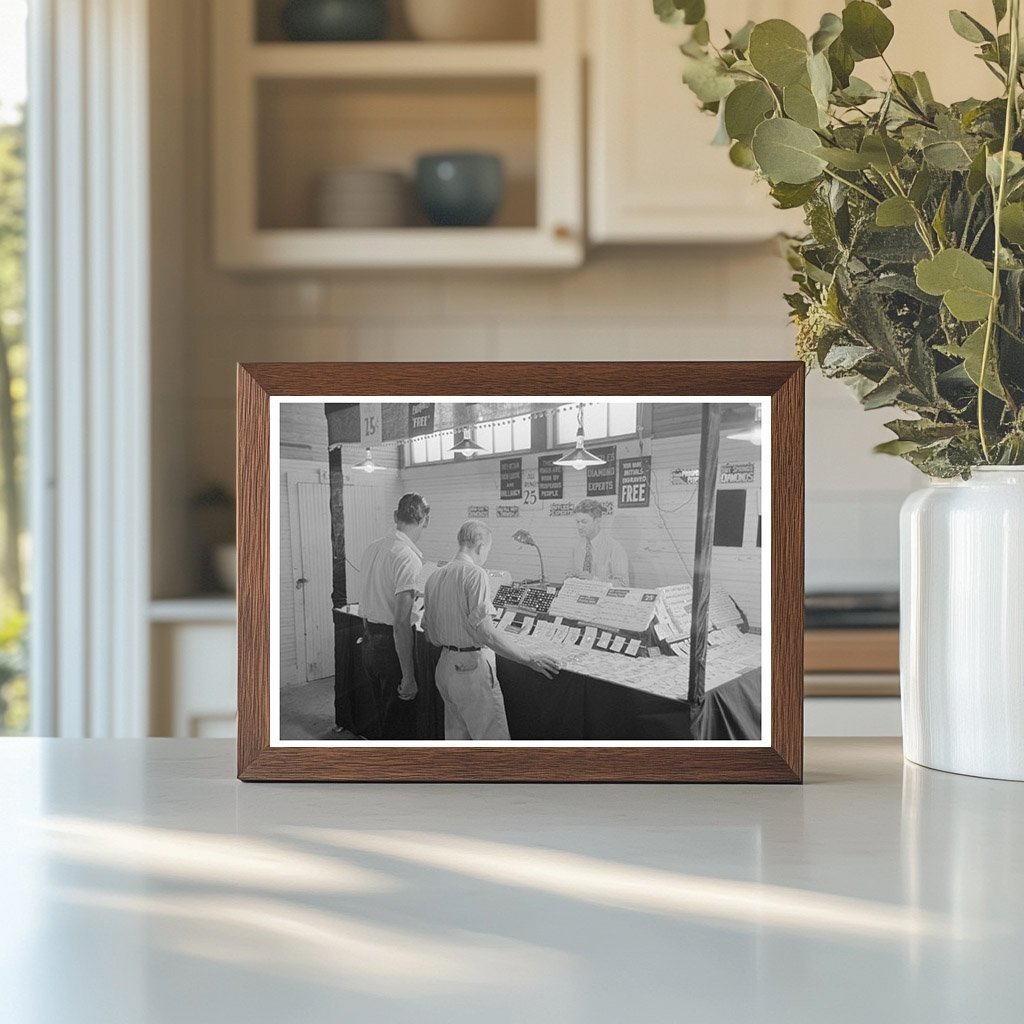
[519, 571]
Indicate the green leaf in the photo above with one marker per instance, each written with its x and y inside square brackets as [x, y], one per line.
[778, 50]
[999, 6]
[947, 156]
[701, 33]
[963, 281]
[739, 41]
[866, 29]
[858, 91]
[820, 76]
[885, 394]
[1012, 225]
[921, 185]
[896, 447]
[789, 197]
[976, 174]
[883, 153]
[676, 12]
[742, 155]
[896, 212]
[924, 87]
[785, 152]
[830, 29]
[800, 105]
[844, 159]
[971, 352]
[745, 108]
[841, 60]
[994, 168]
[939, 220]
[923, 431]
[968, 28]
[708, 80]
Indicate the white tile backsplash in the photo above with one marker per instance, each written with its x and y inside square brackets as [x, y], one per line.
[715, 303]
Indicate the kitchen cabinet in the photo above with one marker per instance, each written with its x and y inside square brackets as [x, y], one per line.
[193, 673]
[287, 113]
[653, 175]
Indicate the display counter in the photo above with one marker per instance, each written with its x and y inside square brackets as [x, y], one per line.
[578, 704]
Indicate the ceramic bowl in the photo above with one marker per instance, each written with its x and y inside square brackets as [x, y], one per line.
[471, 20]
[460, 189]
[334, 20]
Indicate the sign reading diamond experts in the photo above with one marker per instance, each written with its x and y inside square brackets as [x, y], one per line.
[635, 482]
[508, 511]
[421, 418]
[601, 479]
[549, 478]
[478, 512]
[511, 479]
[736, 473]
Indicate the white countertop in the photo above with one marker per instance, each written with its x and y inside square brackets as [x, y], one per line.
[143, 884]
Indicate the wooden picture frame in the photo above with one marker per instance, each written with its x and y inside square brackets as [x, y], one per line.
[779, 386]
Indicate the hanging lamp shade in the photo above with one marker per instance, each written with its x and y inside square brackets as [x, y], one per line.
[753, 432]
[579, 457]
[467, 446]
[367, 465]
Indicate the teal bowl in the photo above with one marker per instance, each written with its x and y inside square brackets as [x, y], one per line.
[460, 190]
[334, 21]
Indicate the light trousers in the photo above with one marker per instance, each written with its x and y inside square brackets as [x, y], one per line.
[474, 708]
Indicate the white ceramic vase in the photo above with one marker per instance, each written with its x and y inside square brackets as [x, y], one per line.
[962, 624]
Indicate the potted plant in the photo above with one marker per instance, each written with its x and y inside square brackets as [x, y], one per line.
[214, 509]
[909, 285]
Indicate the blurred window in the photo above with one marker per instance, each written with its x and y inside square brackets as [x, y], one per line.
[14, 546]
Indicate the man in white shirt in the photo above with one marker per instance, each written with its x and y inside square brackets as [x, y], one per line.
[596, 555]
[390, 569]
[458, 618]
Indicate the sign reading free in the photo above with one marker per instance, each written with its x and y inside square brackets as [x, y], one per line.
[635, 482]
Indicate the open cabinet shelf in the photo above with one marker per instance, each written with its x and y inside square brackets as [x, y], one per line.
[287, 114]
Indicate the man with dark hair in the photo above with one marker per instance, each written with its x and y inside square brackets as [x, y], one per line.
[596, 556]
[457, 618]
[389, 573]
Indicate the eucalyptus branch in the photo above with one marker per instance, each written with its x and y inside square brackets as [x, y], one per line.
[853, 185]
[1000, 199]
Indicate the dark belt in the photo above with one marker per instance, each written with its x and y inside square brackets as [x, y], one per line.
[378, 627]
[460, 650]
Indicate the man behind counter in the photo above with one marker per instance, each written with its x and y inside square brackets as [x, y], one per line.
[390, 568]
[596, 556]
[457, 617]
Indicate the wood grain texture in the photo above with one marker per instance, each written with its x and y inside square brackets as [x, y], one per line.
[781, 762]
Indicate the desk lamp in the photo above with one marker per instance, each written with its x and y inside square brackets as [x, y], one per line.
[522, 537]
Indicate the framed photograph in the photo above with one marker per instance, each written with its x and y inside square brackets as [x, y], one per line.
[520, 572]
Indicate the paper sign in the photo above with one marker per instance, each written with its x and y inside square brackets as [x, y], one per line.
[601, 479]
[511, 479]
[635, 482]
[549, 477]
[421, 418]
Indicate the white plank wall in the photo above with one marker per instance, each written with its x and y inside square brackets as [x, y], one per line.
[659, 540]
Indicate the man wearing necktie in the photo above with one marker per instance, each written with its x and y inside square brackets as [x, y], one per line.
[596, 555]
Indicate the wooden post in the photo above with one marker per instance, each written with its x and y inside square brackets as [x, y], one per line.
[342, 427]
[707, 488]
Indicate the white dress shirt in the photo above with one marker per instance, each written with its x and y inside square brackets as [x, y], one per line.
[390, 567]
[609, 561]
